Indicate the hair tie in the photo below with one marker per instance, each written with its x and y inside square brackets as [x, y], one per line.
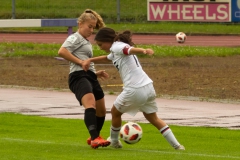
[88, 11]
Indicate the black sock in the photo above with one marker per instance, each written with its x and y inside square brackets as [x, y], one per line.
[91, 122]
[100, 122]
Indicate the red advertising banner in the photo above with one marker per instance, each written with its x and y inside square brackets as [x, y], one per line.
[189, 11]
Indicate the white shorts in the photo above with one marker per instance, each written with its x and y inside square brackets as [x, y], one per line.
[133, 100]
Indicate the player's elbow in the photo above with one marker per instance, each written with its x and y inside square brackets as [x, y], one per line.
[61, 52]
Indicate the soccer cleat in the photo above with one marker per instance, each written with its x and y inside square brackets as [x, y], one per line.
[180, 147]
[89, 141]
[99, 142]
[116, 145]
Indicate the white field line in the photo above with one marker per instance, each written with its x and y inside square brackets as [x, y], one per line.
[138, 150]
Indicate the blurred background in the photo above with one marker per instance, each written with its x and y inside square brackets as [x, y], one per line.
[112, 11]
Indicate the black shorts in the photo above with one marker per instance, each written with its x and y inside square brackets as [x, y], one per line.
[82, 82]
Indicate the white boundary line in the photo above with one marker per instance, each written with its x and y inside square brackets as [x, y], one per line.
[138, 150]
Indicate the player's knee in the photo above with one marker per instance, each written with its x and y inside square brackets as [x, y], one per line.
[115, 112]
[88, 101]
[100, 111]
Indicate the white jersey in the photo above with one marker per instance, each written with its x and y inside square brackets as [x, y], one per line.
[129, 68]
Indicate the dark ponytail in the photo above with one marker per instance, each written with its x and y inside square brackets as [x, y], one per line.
[125, 36]
[109, 35]
[105, 35]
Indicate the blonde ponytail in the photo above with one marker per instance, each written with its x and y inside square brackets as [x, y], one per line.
[90, 14]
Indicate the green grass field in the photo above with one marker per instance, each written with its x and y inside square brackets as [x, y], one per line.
[35, 49]
[37, 138]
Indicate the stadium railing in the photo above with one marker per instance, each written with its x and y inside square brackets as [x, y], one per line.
[70, 23]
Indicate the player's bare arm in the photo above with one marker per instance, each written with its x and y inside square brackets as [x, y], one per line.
[99, 59]
[64, 53]
[86, 63]
[141, 51]
[102, 74]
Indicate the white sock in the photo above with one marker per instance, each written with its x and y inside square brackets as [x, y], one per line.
[114, 133]
[169, 136]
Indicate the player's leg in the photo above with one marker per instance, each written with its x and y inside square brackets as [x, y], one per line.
[125, 103]
[100, 114]
[91, 121]
[88, 101]
[82, 89]
[116, 117]
[164, 129]
[150, 109]
[115, 128]
[100, 105]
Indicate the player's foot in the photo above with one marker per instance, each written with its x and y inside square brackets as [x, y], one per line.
[116, 144]
[99, 142]
[180, 147]
[89, 141]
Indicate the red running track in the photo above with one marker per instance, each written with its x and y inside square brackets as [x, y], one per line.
[227, 41]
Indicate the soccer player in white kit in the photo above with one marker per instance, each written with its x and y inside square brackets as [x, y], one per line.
[138, 92]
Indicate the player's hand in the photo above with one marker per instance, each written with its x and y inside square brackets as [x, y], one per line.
[102, 74]
[149, 51]
[85, 64]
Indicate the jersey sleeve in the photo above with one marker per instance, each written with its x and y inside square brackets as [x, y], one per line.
[120, 48]
[110, 56]
[72, 43]
[126, 49]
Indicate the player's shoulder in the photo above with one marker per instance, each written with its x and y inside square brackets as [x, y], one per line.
[118, 46]
[75, 37]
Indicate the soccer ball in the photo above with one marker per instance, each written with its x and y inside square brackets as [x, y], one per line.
[181, 37]
[131, 133]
